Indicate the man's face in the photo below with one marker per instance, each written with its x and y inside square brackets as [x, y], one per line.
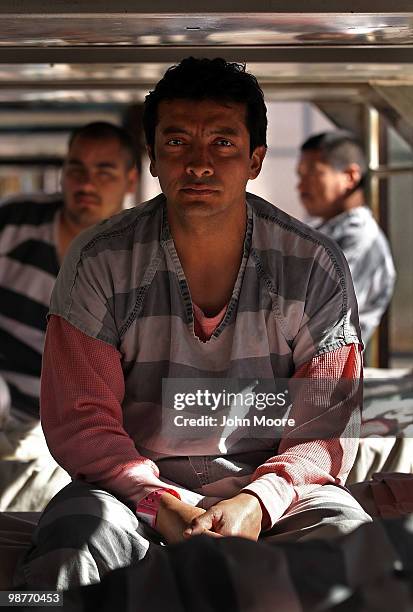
[202, 156]
[320, 186]
[95, 180]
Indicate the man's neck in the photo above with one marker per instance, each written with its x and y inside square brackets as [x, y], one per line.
[353, 200]
[210, 252]
[209, 232]
[216, 236]
[67, 231]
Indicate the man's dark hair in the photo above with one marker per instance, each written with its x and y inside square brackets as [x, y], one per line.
[103, 130]
[338, 149]
[205, 79]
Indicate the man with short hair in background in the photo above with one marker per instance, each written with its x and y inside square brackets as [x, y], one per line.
[331, 174]
[35, 233]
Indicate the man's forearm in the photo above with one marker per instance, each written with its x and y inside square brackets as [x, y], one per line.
[82, 415]
[304, 463]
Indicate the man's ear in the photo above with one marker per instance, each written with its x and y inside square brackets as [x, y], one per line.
[132, 180]
[152, 165]
[353, 173]
[257, 158]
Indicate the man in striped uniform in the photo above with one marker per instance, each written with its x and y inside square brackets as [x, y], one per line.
[35, 233]
[331, 172]
[203, 284]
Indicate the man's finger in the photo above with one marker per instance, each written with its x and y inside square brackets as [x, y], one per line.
[200, 524]
[188, 533]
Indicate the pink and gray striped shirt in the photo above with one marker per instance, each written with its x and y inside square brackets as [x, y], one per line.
[123, 321]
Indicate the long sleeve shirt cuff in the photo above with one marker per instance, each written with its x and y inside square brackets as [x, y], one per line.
[147, 509]
[274, 493]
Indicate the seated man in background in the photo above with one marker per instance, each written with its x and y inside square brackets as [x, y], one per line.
[35, 233]
[331, 172]
[203, 283]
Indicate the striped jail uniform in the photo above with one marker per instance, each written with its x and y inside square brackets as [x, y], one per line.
[122, 320]
[122, 283]
[28, 269]
[29, 476]
[370, 260]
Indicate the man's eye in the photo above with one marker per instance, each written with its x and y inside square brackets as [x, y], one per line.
[174, 142]
[223, 142]
[75, 173]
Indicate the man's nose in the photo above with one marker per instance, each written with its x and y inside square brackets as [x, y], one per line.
[199, 163]
[86, 179]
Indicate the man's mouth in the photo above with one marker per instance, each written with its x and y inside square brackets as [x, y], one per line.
[198, 190]
[85, 198]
